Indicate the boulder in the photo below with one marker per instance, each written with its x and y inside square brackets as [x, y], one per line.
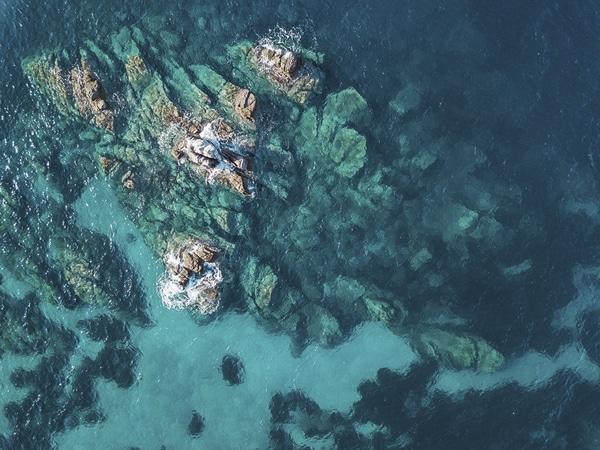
[406, 100]
[245, 104]
[232, 370]
[258, 282]
[348, 151]
[459, 351]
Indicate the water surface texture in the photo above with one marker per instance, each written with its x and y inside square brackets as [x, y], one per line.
[299, 225]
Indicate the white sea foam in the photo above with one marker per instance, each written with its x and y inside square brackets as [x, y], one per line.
[197, 293]
[286, 38]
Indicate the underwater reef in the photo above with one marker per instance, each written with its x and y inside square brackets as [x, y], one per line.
[206, 152]
[263, 185]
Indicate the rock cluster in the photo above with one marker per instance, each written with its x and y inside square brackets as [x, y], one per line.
[189, 261]
[280, 62]
[317, 182]
[287, 70]
[212, 154]
[193, 277]
[245, 104]
[90, 97]
[81, 90]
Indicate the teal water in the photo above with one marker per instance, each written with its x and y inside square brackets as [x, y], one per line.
[411, 260]
[179, 370]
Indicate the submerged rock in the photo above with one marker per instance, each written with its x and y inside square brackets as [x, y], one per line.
[332, 142]
[407, 100]
[196, 425]
[459, 351]
[233, 370]
[348, 151]
[258, 282]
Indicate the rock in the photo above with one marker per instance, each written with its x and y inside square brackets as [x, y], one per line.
[346, 107]
[419, 259]
[424, 160]
[136, 70]
[259, 282]
[303, 228]
[105, 164]
[287, 70]
[517, 269]
[322, 326]
[196, 425]
[408, 99]
[245, 104]
[191, 261]
[89, 96]
[208, 78]
[467, 219]
[193, 277]
[213, 155]
[348, 151]
[459, 351]
[379, 311]
[282, 62]
[232, 369]
[127, 180]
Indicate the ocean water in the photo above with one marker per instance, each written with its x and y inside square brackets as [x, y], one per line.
[416, 268]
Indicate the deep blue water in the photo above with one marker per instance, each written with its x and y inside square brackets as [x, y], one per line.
[508, 107]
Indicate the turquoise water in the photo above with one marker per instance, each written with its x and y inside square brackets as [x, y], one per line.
[179, 370]
[404, 233]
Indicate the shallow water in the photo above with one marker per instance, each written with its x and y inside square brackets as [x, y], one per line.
[472, 218]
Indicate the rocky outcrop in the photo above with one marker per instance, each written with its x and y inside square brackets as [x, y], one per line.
[192, 125]
[245, 104]
[281, 63]
[459, 351]
[80, 90]
[287, 70]
[90, 97]
[214, 155]
[193, 277]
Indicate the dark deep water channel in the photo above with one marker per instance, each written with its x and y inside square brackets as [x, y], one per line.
[417, 265]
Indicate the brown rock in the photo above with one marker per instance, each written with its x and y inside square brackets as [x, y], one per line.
[245, 104]
[236, 182]
[192, 262]
[127, 180]
[136, 69]
[223, 130]
[90, 97]
[211, 294]
[183, 276]
[177, 152]
[282, 61]
[105, 163]
[206, 253]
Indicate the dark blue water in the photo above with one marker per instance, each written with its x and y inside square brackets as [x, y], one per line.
[438, 290]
